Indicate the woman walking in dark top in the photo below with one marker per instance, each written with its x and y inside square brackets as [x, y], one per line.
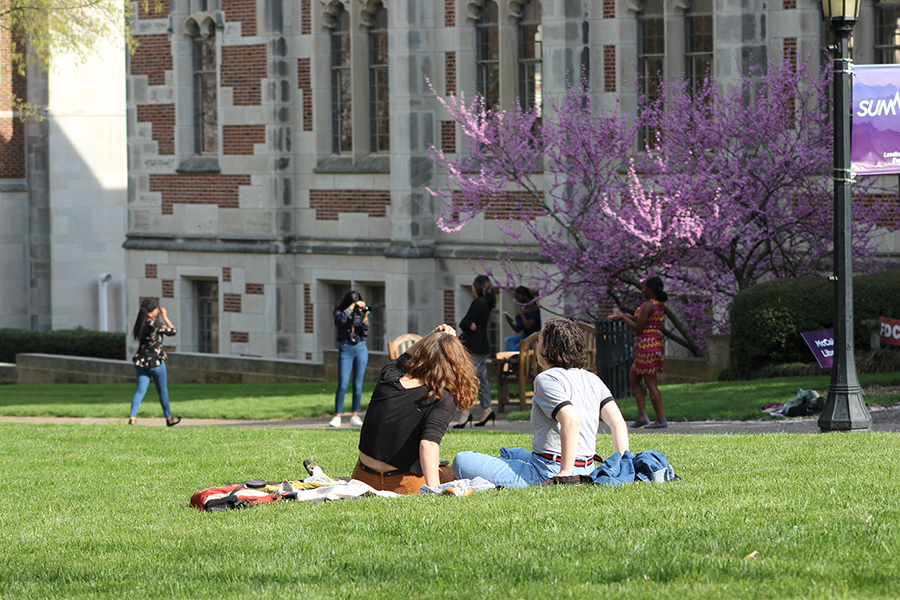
[474, 337]
[351, 317]
[150, 359]
[411, 407]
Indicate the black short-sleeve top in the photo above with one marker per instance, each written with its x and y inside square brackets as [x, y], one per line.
[397, 419]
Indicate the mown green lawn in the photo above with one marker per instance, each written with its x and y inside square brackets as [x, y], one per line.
[731, 400]
[102, 512]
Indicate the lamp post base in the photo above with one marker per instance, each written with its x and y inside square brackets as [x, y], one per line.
[844, 410]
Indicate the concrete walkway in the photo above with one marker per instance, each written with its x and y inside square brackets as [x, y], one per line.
[883, 419]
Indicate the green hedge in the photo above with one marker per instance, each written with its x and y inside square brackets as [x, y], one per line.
[767, 319]
[69, 342]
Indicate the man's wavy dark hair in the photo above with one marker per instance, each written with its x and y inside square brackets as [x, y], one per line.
[562, 344]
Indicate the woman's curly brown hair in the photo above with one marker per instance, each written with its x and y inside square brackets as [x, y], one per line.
[562, 344]
[442, 362]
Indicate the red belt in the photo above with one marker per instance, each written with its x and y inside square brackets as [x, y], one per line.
[578, 461]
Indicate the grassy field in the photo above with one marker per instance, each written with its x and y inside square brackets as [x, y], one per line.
[731, 400]
[102, 512]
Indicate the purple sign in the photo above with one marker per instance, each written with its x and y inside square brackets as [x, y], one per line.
[822, 345]
[875, 143]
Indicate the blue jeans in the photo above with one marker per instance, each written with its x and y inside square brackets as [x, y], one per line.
[351, 358]
[512, 342]
[158, 375]
[514, 468]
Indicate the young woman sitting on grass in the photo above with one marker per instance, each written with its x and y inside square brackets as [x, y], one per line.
[413, 403]
[568, 405]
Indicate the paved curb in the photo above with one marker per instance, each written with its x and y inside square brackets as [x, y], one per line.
[883, 419]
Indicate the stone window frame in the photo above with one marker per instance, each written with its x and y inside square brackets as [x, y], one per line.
[694, 54]
[526, 61]
[206, 25]
[879, 50]
[510, 13]
[361, 158]
[379, 81]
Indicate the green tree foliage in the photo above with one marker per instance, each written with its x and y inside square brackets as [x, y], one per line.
[767, 319]
[36, 32]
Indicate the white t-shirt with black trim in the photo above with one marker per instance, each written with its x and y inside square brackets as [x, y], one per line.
[558, 387]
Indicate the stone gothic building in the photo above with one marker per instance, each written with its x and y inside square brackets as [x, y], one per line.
[278, 150]
[270, 155]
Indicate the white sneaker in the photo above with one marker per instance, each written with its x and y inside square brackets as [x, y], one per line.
[356, 421]
[335, 422]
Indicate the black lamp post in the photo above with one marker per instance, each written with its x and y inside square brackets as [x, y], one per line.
[844, 407]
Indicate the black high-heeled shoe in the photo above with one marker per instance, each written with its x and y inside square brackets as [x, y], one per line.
[463, 424]
[484, 421]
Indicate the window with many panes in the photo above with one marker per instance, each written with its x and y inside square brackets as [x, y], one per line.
[698, 33]
[206, 136]
[379, 109]
[487, 53]
[651, 57]
[530, 32]
[341, 84]
[207, 316]
[887, 33]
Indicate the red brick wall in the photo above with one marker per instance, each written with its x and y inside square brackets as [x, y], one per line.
[168, 288]
[254, 288]
[242, 69]
[308, 321]
[448, 136]
[790, 51]
[789, 4]
[149, 271]
[449, 13]
[221, 190]
[231, 303]
[12, 147]
[240, 337]
[609, 68]
[226, 273]
[239, 139]
[152, 58]
[449, 307]
[609, 9]
[150, 12]
[304, 82]
[243, 11]
[162, 117]
[305, 18]
[12, 130]
[511, 206]
[329, 203]
[449, 73]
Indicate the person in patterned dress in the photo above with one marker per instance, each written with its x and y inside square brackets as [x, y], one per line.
[647, 323]
[150, 359]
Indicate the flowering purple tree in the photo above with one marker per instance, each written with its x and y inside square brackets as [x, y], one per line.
[734, 190]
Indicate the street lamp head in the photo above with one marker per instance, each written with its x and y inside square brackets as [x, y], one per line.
[841, 12]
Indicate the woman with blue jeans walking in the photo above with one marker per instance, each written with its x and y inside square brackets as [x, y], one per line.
[351, 317]
[150, 359]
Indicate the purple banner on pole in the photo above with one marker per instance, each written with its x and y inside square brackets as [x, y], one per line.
[822, 345]
[875, 143]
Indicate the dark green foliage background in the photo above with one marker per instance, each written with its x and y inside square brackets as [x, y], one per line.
[68, 342]
[767, 319]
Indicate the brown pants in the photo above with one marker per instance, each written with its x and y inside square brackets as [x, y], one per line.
[402, 483]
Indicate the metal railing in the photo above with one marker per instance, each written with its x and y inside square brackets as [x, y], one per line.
[615, 354]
